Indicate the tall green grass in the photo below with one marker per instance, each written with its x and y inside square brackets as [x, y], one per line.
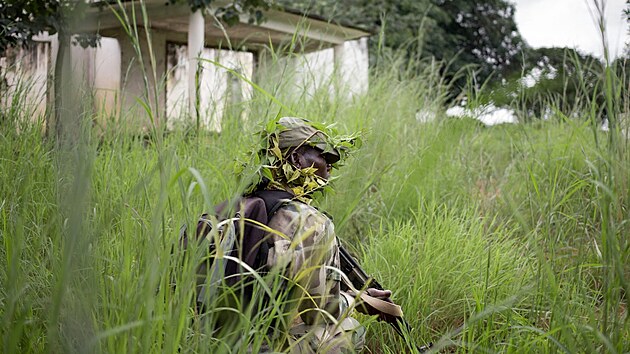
[509, 238]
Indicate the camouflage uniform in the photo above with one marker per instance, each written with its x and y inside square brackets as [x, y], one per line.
[307, 251]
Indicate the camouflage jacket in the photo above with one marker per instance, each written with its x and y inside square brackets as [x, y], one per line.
[306, 250]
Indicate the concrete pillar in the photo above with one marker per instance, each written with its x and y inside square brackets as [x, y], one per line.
[352, 66]
[107, 77]
[196, 34]
[339, 53]
[339, 70]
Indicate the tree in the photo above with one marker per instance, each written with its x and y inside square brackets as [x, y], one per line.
[21, 20]
[484, 32]
[558, 78]
[231, 11]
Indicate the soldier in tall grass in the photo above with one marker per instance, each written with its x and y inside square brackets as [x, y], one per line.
[299, 244]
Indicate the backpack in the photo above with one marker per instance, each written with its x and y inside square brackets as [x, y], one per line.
[252, 248]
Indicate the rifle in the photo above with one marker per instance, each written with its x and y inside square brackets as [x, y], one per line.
[390, 313]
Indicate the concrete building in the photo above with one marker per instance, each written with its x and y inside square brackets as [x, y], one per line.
[190, 67]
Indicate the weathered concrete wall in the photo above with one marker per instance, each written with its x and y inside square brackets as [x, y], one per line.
[96, 69]
[142, 79]
[107, 79]
[219, 90]
[119, 78]
[99, 72]
[343, 68]
[23, 76]
[354, 66]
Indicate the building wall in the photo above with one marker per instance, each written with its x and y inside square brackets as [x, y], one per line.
[119, 79]
[142, 81]
[342, 69]
[24, 79]
[219, 89]
[99, 71]
[107, 77]
[354, 64]
[29, 70]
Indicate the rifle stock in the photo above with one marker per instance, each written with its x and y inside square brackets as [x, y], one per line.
[361, 281]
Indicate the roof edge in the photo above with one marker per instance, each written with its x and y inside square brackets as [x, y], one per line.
[347, 24]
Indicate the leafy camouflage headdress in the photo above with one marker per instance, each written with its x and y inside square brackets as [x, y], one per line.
[282, 136]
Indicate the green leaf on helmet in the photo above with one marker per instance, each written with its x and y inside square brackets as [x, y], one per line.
[266, 172]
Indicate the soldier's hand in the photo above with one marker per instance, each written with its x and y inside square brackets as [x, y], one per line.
[377, 302]
[379, 294]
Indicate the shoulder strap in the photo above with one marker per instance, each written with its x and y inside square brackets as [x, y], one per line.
[273, 200]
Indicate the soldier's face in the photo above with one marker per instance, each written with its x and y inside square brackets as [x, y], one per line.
[307, 156]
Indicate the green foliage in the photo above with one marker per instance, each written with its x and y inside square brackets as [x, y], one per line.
[273, 167]
[553, 79]
[231, 11]
[494, 239]
[20, 20]
[484, 33]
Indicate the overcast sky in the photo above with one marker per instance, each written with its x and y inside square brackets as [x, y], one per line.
[571, 23]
